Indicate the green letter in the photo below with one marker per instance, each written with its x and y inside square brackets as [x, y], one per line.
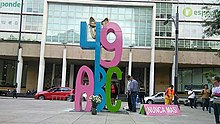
[195, 12]
[110, 71]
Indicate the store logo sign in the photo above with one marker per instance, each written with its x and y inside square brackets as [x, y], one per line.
[187, 12]
[10, 4]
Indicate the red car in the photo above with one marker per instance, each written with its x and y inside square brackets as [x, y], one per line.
[56, 93]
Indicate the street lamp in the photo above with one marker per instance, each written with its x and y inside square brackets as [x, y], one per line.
[19, 61]
[176, 24]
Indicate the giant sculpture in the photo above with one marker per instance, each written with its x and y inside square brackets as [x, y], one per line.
[100, 78]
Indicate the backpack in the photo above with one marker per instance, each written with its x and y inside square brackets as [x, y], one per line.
[113, 89]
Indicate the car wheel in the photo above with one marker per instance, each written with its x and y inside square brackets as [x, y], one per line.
[41, 97]
[70, 98]
[149, 102]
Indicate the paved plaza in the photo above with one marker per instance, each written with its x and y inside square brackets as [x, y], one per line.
[30, 111]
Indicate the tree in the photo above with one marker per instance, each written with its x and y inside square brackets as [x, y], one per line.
[208, 75]
[212, 20]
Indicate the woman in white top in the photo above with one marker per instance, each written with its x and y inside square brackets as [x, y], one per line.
[192, 98]
[216, 95]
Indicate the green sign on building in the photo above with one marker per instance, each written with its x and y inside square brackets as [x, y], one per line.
[10, 4]
[188, 12]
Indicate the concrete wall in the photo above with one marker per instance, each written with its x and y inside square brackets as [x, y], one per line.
[139, 55]
[162, 77]
[31, 50]
[188, 57]
[10, 49]
[32, 76]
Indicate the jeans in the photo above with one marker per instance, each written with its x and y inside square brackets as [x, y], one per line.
[133, 100]
[210, 106]
[14, 94]
[205, 103]
[129, 102]
[192, 102]
[216, 107]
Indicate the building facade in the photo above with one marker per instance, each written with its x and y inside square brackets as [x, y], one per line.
[50, 55]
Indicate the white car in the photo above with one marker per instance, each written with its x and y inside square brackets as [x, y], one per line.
[157, 98]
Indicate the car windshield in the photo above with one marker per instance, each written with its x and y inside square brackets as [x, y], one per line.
[51, 89]
[159, 95]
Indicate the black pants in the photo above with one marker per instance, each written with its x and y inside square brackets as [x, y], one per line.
[205, 103]
[141, 97]
[216, 107]
[129, 102]
[192, 102]
[14, 95]
[210, 106]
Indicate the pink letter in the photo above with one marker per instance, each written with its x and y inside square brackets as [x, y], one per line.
[115, 46]
[80, 88]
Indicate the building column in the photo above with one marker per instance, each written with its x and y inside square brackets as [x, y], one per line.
[19, 70]
[40, 82]
[145, 80]
[130, 63]
[63, 84]
[53, 74]
[126, 81]
[151, 83]
[71, 76]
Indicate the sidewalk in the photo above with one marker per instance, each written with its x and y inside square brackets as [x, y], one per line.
[27, 110]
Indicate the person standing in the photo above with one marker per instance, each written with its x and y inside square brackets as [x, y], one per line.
[14, 92]
[141, 95]
[134, 91]
[169, 95]
[129, 93]
[205, 97]
[114, 92]
[192, 97]
[216, 96]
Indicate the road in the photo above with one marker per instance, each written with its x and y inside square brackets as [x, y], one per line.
[30, 111]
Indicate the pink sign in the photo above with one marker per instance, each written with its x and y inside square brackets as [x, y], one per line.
[161, 110]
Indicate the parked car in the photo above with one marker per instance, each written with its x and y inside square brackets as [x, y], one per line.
[4, 92]
[157, 98]
[56, 93]
[198, 97]
[198, 102]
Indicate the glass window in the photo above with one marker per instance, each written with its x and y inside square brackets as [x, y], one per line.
[7, 72]
[58, 90]
[65, 89]
[187, 76]
[197, 74]
[132, 20]
[31, 37]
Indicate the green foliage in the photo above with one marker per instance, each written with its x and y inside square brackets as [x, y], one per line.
[209, 75]
[212, 22]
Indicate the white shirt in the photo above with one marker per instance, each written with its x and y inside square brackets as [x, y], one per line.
[192, 95]
[216, 90]
[128, 86]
